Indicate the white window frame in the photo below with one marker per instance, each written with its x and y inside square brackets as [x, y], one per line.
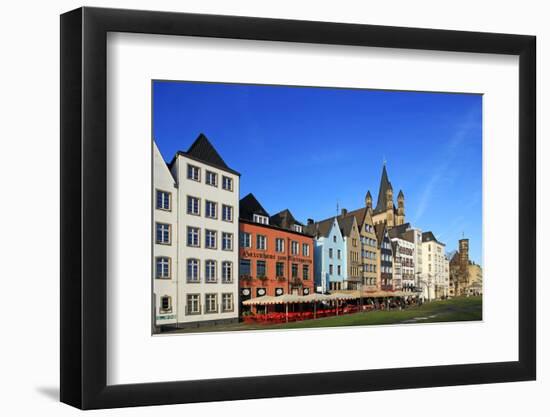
[163, 241]
[224, 178]
[195, 206]
[227, 237]
[214, 175]
[196, 268]
[161, 194]
[198, 235]
[227, 209]
[210, 271]
[196, 169]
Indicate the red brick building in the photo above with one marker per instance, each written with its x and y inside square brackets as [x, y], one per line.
[275, 255]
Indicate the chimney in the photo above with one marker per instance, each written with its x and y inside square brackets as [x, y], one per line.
[344, 212]
[309, 222]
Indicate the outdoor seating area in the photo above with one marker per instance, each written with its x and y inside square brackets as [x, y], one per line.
[263, 310]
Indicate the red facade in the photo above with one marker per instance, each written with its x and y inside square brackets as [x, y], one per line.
[274, 261]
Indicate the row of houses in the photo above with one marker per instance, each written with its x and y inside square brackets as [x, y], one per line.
[212, 250]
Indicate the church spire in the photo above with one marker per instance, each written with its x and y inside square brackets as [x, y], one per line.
[385, 185]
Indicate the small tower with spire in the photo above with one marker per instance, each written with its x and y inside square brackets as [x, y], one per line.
[400, 218]
[368, 201]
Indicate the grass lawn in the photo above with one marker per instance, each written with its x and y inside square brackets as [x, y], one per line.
[456, 309]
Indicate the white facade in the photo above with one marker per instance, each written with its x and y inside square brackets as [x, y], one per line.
[204, 247]
[165, 288]
[406, 253]
[436, 267]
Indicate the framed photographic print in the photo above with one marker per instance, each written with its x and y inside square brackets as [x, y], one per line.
[257, 208]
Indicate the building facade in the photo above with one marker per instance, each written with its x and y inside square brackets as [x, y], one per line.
[466, 277]
[329, 255]
[436, 285]
[414, 236]
[275, 253]
[369, 260]
[165, 247]
[352, 253]
[385, 258]
[405, 252]
[203, 235]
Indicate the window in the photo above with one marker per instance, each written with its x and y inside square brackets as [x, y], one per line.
[295, 248]
[261, 269]
[227, 241]
[305, 271]
[165, 304]
[163, 233]
[227, 302]
[305, 249]
[162, 267]
[210, 239]
[330, 269]
[211, 209]
[339, 254]
[260, 219]
[227, 183]
[211, 178]
[193, 304]
[334, 238]
[193, 172]
[279, 245]
[227, 213]
[193, 236]
[294, 271]
[227, 272]
[280, 269]
[163, 200]
[210, 271]
[193, 205]
[211, 303]
[193, 270]
[261, 242]
[245, 240]
[244, 267]
[330, 253]
[339, 269]
[297, 228]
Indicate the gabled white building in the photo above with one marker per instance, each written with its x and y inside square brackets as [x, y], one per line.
[199, 236]
[436, 267]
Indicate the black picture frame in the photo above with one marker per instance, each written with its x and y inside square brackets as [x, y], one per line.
[84, 207]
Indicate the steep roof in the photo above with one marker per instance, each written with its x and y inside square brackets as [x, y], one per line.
[284, 219]
[379, 230]
[359, 215]
[320, 229]
[385, 185]
[346, 224]
[203, 151]
[429, 237]
[248, 206]
[397, 231]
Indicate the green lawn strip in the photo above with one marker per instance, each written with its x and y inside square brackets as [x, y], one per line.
[458, 309]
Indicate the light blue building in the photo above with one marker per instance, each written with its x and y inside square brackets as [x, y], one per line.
[329, 254]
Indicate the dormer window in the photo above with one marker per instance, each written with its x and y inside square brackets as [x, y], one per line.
[297, 228]
[260, 219]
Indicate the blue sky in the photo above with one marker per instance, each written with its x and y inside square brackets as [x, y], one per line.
[309, 149]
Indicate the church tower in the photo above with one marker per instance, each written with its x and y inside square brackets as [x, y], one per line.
[368, 201]
[400, 218]
[385, 210]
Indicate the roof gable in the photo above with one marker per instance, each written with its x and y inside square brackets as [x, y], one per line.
[203, 151]
[248, 206]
